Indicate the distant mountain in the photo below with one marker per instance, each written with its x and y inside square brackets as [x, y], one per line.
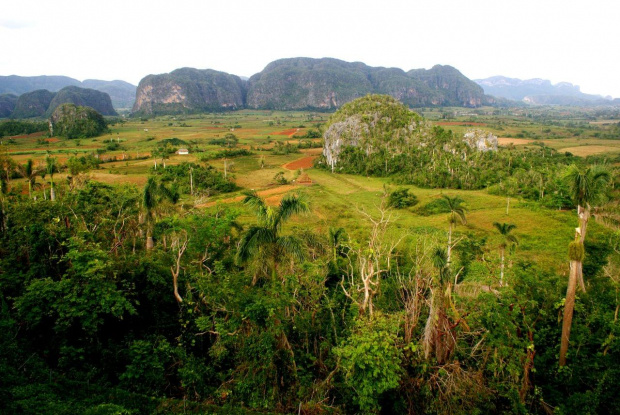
[7, 104]
[21, 84]
[33, 104]
[539, 91]
[42, 103]
[304, 83]
[82, 97]
[189, 90]
[122, 93]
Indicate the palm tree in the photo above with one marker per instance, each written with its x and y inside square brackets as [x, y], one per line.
[504, 230]
[29, 172]
[51, 168]
[587, 188]
[457, 213]
[264, 239]
[439, 333]
[152, 197]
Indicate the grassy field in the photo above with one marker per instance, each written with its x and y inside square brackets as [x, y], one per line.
[336, 200]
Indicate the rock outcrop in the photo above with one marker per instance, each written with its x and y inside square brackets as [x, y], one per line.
[189, 90]
[325, 84]
[304, 83]
[480, 140]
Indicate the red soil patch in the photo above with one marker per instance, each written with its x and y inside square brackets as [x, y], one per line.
[461, 123]
[302, 163]
[39, 134]
[52, 140]
[290, 132]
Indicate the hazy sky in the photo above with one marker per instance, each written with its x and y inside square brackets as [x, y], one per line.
[572, 41]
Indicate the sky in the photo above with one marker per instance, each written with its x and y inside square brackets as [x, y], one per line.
[563, 41]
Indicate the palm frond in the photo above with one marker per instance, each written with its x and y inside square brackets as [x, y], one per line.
[293, 246]
[291, 205]
[253, 200]
[252, 240]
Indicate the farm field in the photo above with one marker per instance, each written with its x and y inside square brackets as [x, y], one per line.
[128, 155]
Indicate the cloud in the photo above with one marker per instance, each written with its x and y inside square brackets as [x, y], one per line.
[14, 24]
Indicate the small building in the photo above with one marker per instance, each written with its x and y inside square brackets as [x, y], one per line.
[182, 152]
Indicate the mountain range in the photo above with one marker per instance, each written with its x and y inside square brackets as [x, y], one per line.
[286, 84]
[540, 92]
[304, 84]
[122, 94]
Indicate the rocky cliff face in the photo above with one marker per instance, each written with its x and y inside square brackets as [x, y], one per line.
[83, 97]
[304, 83]
[480, 140]
[7, 104]
[189, 90]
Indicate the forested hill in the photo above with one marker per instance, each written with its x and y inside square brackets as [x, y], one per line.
[305, 83]
[42, 103]
[121, 93]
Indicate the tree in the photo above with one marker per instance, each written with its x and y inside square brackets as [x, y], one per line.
[30, 173]
[50, 168]
[264, 239]
[507, 239]
[152, 197]
[587, 187]
[457, 213]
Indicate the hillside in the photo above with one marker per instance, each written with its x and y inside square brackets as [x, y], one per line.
[84, 97]
[7, 104]
[33, 104]
[189, 90]
[42, 103]
[304, 83]
[121, 93]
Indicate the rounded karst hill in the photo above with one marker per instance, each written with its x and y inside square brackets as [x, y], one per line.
[72, 121]
[373, 123]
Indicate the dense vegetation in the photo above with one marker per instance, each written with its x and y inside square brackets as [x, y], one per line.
[71, 121]
[378, 136]
[152, 298]
[14, 127]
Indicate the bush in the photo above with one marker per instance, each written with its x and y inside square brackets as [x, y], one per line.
[401, 198]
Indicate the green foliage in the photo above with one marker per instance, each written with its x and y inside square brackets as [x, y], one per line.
[576, 251]
[401, 198]
[206, 178]
[71, 121]
[371, 361]
[229, 154]
[77, 165]
[13, 127]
